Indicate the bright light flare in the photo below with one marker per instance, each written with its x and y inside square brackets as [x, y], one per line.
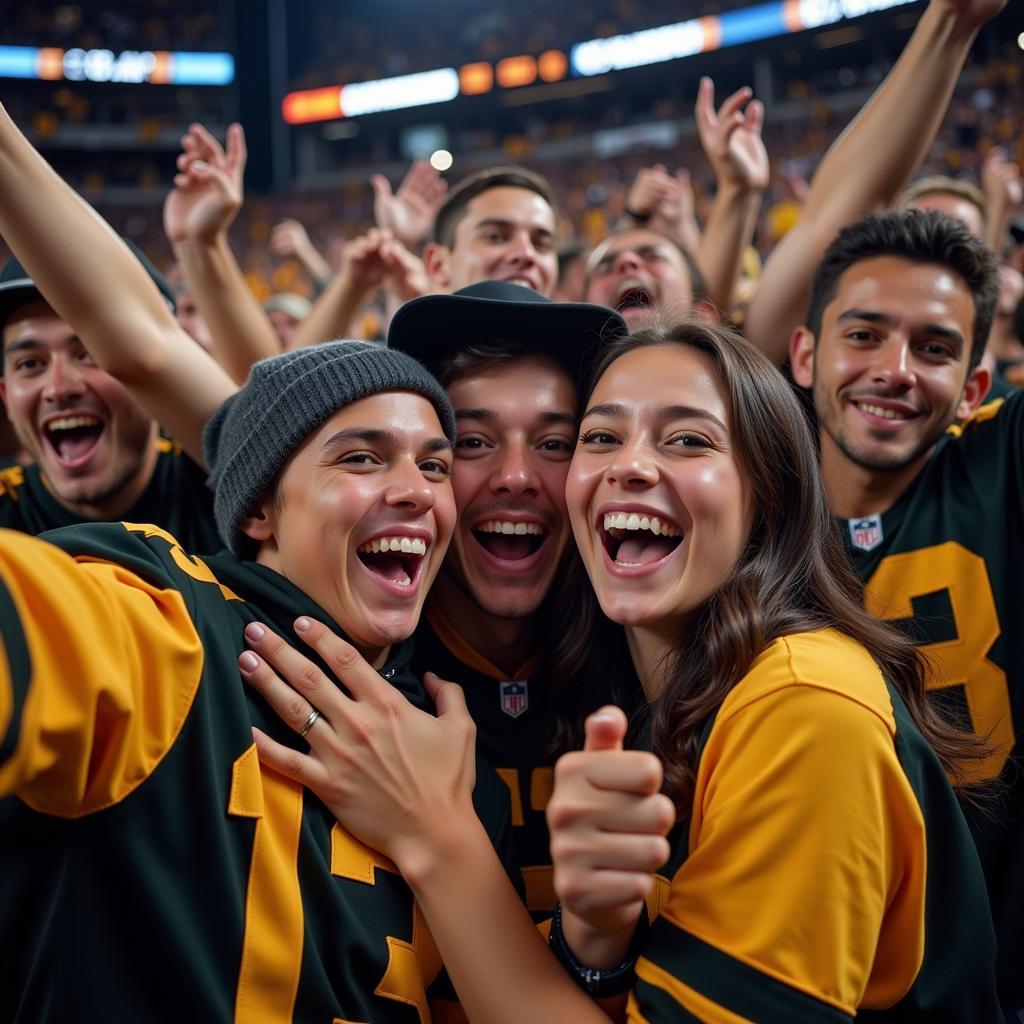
[441, 160]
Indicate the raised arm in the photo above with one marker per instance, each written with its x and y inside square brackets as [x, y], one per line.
[206, 199]
[372, 261]
[867, 166]
[731, 137]
[93, 281]
[1001, 183]
[290, 240]
[664, 202]
[410, 212]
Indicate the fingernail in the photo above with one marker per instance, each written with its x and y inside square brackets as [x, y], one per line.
[248, 662]
[302, 623]
[254, 631]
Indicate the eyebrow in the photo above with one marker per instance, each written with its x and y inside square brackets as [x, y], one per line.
[641, 250]
[489, 416]
[22, 346]
[872, 316]
[668, 412]
[374, 435]
[26, 344]
[501, 222]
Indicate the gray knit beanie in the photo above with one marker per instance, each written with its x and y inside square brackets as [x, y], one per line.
[251, 436]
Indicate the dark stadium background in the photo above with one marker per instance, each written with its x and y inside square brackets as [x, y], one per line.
[117, 142]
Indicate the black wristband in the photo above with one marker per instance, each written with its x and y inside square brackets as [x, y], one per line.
[640, 218]
[611, 981]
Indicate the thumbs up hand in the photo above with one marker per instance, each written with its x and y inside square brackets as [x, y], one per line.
[608, 821]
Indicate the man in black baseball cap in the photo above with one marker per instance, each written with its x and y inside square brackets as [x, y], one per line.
[510, 360]
[96, 455]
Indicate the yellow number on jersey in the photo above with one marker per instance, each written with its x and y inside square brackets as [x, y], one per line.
[962, 661]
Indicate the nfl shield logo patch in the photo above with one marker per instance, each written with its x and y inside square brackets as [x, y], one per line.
[514, 697]
[866, 533]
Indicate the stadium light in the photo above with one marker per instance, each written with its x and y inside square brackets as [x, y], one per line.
[441, 160]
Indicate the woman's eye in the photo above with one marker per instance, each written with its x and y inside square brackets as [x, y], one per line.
[690, 441]
[597, 437]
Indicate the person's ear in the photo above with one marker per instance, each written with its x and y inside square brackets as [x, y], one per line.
[801, 356]
[437, 260]
[707, 310]
[3, 391]
[977, 387]
[259, 524]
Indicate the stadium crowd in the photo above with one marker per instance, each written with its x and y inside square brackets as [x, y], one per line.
[617, 623]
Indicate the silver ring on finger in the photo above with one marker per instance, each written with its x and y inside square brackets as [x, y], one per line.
[313, 716]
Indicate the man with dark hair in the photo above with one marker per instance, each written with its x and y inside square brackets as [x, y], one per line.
[510, 361]
[928, 485]
[96, 455]
[497, 224]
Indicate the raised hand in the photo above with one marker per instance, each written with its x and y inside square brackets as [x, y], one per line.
[971, 13]
[650, 187]
[393, 775]
[1001, 181]
[664, 202]
[608, 821]
[409, 213]
[208, 189]
[731, 137]
[378, 260]
[290, 239]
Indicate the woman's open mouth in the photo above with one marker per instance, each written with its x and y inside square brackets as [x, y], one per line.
[636, 538]
[73, 438]
[395, 560]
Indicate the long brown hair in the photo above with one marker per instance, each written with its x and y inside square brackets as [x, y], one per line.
[792, 577]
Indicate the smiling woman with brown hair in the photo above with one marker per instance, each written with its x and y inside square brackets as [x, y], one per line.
[819, 865]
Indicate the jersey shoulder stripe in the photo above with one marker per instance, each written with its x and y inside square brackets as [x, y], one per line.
[729, 983]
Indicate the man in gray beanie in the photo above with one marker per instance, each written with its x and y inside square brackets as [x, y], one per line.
[126, 735]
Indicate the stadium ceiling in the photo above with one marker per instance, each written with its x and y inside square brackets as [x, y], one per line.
[593, 57]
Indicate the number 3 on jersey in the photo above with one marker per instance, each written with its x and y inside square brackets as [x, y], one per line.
[962, 660]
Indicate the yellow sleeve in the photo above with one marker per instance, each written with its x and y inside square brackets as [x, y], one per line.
[807, 859]
[98, 671]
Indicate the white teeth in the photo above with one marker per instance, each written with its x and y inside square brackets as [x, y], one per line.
[72, 422]
[887, 414]
[614, 521]
[404, 545]
[405, 582]
[506, 527]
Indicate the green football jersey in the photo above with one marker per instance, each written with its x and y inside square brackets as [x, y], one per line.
[176, 499]
[154, 869]
[512, 728]
[945, 563]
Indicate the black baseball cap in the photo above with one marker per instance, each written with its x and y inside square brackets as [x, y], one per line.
[434, 327]
[18, 289]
